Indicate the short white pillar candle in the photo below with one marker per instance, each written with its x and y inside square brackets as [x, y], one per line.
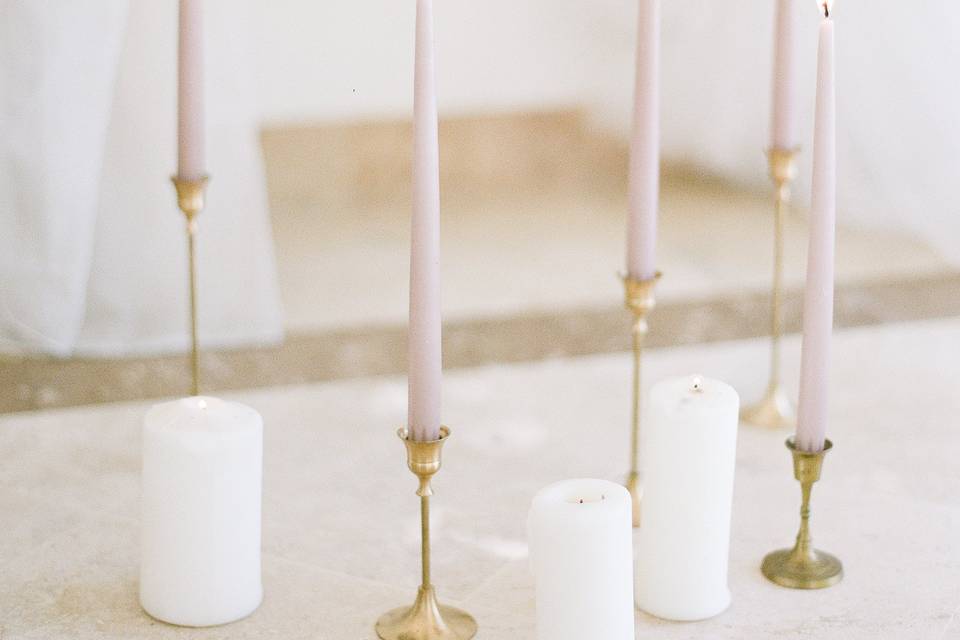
[580, 535]
[200, 539]
[689, 454]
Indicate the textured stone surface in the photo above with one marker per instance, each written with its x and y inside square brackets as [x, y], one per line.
[341, 531]
[46, 383]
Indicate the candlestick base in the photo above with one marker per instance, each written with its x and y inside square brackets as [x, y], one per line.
[426, 619]
[796, 570]
[775, 410]
[803, 567]
[639, 299]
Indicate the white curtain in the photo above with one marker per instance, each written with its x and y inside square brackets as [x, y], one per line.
[93, 249]
[898, 96]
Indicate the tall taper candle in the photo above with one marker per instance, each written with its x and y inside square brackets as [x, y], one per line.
[190, 120]
[424, 354]
[783, 119]
[644, 180]
[818, 296]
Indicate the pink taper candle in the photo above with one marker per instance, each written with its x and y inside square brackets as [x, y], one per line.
[818, 296]
[783, 119]
[644, 178]
[424, 353]
[190, 121]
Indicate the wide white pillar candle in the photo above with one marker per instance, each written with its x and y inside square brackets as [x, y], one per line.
[200, 555]
[688, 452]
[580, 535]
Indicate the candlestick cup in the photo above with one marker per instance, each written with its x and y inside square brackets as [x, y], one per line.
[640, 300]
[426, 619]
[804, 567]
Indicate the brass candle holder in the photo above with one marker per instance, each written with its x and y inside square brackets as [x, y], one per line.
[639, 298]
[427, 619]
[191, 198]
[803, 567]
[775, 410]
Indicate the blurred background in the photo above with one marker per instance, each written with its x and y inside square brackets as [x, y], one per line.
[303, 246]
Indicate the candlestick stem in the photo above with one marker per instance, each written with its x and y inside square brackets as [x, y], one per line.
[191, 196]
[775, 409]
[640, 300]
[427, 619]
[803, 567]
[425, 540]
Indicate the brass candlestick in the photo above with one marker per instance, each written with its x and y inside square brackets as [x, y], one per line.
[640, 300]
[426, 619]
[803, 567]
[191, 197]
[775, 409]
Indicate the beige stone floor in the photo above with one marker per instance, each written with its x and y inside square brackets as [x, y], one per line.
[533, 220]
[340, 517]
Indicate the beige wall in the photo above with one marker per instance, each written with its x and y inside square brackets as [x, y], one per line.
[333, 60]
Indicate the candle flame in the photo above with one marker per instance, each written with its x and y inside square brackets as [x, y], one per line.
[697, 384]
[826, 7]
[202, 404]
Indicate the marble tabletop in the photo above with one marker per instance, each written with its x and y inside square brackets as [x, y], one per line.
[340, 516]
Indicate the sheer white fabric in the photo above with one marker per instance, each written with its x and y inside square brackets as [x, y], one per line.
[92, 249]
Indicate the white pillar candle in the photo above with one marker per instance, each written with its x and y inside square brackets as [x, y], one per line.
[688, 453]
[580, 535]
[424, 369]
[644, 178]
[200, 539]
[191, 149]
[818, 294]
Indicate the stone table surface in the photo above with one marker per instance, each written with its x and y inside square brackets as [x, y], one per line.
[340, 516]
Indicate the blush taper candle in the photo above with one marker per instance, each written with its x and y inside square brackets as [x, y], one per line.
[818, 295]
[190, 104]
[424, 352]
[783, 116]
[644, 176]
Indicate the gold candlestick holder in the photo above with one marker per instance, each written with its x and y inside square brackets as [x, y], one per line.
[639, 298]
[427, 619]
[775, 410]
[803, 567]
[191, 198]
